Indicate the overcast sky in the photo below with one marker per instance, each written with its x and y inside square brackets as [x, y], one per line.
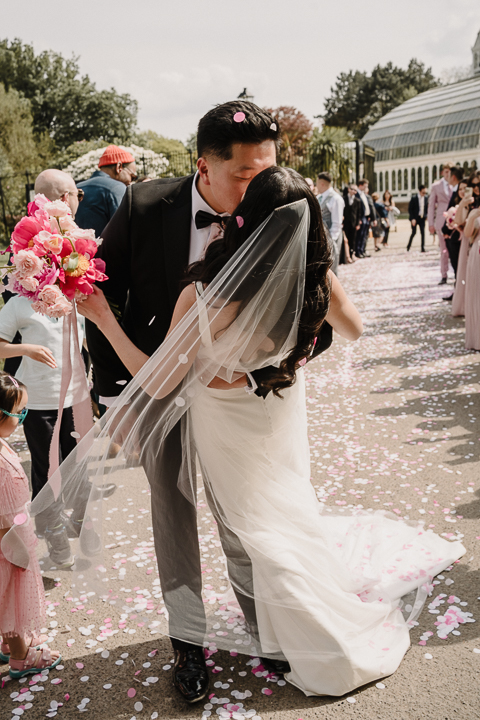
[180, 58]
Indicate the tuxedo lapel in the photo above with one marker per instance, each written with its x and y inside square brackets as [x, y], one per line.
[176, 223]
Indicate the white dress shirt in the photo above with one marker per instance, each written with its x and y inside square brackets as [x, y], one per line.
[200, 238]
[421, 205]
[365, 202]
[335, 204]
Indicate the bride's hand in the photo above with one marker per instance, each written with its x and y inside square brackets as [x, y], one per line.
[95, 308]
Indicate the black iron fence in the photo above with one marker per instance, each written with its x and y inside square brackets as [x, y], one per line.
[346, 162]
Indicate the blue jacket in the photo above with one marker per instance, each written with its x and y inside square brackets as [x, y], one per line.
[102, 197]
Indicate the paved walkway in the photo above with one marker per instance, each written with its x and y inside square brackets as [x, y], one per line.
[394, 424]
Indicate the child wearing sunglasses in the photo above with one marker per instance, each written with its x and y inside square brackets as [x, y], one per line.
[22, 599]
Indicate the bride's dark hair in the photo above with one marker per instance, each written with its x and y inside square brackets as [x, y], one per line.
[271, 189]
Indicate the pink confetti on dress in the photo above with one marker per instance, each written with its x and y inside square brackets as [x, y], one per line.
[20, 519]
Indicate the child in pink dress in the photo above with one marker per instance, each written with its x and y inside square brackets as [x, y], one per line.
[22, 599]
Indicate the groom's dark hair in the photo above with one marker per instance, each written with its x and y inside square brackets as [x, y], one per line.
[218, 131]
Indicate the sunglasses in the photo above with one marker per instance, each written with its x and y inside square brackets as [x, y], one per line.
[132, 174]
[21, 416]
[79, 193]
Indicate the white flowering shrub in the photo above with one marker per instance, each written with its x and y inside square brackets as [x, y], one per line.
[152, 164]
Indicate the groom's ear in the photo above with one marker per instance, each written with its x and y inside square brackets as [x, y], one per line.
[203, 169]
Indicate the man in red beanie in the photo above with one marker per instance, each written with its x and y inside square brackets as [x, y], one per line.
[105, 189]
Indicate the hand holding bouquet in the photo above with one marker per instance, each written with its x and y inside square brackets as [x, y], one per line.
[53, 260]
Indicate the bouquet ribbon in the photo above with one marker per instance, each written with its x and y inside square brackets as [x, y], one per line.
[73, 370]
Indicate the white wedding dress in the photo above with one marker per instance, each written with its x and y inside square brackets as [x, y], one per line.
[328, 589]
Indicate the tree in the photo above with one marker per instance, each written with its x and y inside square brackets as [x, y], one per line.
[331, 150]
[64, 104]
[158, 143]
[358, 100]
[295, 128]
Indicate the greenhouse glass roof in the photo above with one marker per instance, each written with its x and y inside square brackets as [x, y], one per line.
[441, 120]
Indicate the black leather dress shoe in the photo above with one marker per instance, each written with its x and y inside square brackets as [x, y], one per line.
[443, 281]
[190, 674]
[279, 667]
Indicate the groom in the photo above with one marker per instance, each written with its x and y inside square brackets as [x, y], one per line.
[158, 230]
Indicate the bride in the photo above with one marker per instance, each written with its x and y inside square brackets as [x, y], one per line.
[328, 590]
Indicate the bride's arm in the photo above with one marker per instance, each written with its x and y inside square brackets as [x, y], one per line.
[342, 314]
[96, 309]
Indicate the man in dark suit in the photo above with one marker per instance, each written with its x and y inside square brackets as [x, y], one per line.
[417, 211]
[158, 230]
[352, 213]
[368, 218]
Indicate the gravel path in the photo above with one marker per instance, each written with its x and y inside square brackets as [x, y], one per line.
[393, 424]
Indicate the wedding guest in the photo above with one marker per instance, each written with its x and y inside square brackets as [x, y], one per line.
[369, 219]
[352, 213]
[378, 230]
[450, 235]
[469, 202]
[22, 598]
[458, 298]
[389, 204]
[440, 194]
[41, 352]
[331, 205]
[105, 189]
[417, 212]
[59, 185]
[311, 185]
[472, 284]
[393, 211]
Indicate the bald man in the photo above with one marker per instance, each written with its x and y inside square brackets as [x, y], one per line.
[59, 185]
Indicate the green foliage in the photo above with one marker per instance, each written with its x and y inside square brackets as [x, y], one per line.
[330, 150]
[158, 143]
[19, 149]
[296, 131]
[358, 100]
[65, 105]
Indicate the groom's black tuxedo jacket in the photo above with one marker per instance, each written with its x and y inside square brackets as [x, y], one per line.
[145, 247]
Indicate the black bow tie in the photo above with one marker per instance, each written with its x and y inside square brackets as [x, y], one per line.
[204, 219]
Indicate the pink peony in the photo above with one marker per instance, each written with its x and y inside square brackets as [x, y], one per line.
[29, 283]
[61, 308]
[50, 294]
[49, 242]
[25, 231]
[57, 209]
[27, 264]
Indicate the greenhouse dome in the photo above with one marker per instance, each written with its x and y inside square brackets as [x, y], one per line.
[415, 140]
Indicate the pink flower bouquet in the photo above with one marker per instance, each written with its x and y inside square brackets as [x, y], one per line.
[53, 260]
[449, 216]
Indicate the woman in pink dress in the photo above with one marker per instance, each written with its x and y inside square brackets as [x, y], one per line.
[22, 599]
[472, 285]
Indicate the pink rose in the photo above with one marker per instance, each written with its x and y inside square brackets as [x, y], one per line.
[27, 263]
[81, 233]
[57, 209]
[50, 294]
[61, 308]
[40, 307]
[29, 283]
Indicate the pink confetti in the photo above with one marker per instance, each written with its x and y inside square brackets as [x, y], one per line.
[267, 691]
[79, 665]
[20, 519]
[239, 117]
[240, 221]
[131, 692]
